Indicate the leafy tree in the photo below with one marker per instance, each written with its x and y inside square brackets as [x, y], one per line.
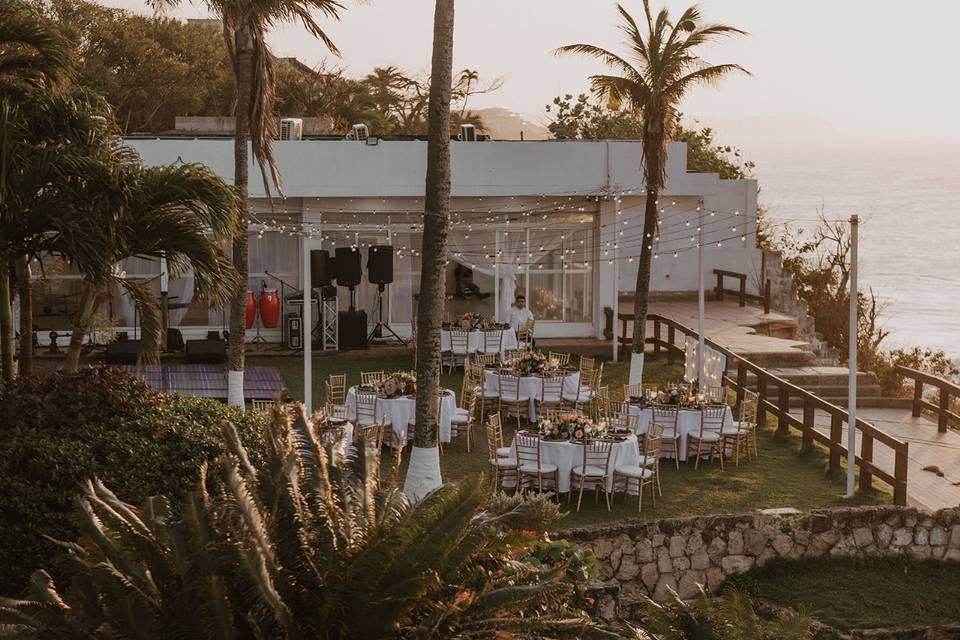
[303, 545]
[245, 27]
[661, 67]
[150, 68]
[33, 56]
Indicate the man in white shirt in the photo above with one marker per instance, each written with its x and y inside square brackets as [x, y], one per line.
[518, 314]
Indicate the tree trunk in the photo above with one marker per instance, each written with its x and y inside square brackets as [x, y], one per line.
[6, 323]
[653, 171]
[235, 346]
[423, 474]
[86, 307]
[25, 288]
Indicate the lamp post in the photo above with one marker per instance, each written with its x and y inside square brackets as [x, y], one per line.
[307, 325]
[852, 359]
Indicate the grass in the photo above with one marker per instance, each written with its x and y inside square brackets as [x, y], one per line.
[851, 593]
[781, 477]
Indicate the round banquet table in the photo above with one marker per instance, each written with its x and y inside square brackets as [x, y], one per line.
[402, 411]
[530, 386]
[347, 439]
[475, 340]
[688, 421]
[567, 455]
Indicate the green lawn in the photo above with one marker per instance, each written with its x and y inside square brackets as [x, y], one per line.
[782, 477]
[850, 593]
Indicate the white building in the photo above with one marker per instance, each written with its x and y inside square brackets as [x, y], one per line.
[538, 217]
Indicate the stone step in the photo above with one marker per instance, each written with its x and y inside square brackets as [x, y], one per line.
[782, 359]
[816, 376]
[864, 401]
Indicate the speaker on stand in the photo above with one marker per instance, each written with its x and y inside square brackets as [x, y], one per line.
[352, 327]
[380, 273]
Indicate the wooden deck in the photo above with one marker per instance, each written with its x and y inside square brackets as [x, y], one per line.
[928, 447]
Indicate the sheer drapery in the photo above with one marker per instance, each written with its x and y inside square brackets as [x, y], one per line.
[180, 293]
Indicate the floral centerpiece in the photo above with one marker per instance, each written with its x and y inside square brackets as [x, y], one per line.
[676, 395]
[399, 384]
[529, 363]
[472, 321]
[571, 426]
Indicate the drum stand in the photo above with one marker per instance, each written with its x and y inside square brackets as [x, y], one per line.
[381, 325]
[258, 319]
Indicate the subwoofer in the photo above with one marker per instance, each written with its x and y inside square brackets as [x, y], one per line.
[349, 272]
[380, 264]
[123, 352]
[319, 268]
[352, 330]
[205, 351]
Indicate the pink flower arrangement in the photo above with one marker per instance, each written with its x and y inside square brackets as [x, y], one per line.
[571, 426]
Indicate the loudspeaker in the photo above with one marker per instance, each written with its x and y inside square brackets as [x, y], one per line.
[352, 330]
[123, 352]
[319, 274]
[380, 264]
[294, 332]
[206, 351]
[349, 273]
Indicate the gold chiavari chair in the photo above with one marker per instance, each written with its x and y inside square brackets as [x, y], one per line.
[593, 470]
[463, 418]
[511, 398]
[366, 407]
[336, 386]
[551, 390]
[747, 422]
[525, 336]
[644, 475]
[533, 472]
[510, 354]
[588, 364]
[484, 359]
[337, 411]
[709, 439]
[502, 464]
[558, 359]
[714, 394]
[459, 349]
[492, 342]
[261, 406]
[666, 416]
[371, 377]
[372, 434]
[633, 390]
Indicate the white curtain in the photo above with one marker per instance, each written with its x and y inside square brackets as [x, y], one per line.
[715, 363]
[180, 293]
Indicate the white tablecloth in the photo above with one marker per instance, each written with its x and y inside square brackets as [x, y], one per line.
[401, 412]
[567, 455]
[688, 421]
[475, 341]
[347, 439]
[530, 386]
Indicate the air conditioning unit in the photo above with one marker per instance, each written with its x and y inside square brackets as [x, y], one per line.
[359, 132]
[291, 129]
[468, 133]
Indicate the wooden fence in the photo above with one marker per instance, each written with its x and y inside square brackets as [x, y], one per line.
[775, 396]
[742, 296]
[945, 389]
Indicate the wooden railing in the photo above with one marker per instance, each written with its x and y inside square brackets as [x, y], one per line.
[741, 292]
[945, 389]
[777, 403]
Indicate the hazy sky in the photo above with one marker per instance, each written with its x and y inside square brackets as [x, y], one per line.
[875, 69]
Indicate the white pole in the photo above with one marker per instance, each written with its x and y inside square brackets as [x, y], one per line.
[852, 388]
[701, 307]
[307, 326]
[616, 290]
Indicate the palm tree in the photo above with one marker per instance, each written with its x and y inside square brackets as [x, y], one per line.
[304, 546]
[245, 27]
[182, 213]
[662, 65]
[33, 55]
[423, 474]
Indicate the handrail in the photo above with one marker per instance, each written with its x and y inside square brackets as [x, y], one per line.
[779, 406]
[945, 388]
[741, 293]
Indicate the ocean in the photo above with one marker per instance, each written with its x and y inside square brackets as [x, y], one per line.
[908, 200]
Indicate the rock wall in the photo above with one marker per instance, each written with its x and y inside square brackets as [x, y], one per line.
[644, 559]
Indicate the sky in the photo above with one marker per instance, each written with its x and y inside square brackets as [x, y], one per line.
[860, 69]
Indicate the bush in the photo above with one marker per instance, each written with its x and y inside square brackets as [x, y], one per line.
[61, 430]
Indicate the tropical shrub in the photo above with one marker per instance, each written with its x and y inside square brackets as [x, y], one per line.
[59, 431]
[302, 545]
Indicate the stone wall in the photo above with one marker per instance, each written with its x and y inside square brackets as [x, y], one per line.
[644, 559]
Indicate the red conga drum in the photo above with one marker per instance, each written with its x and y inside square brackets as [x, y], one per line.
[251, 310]
[269, 308]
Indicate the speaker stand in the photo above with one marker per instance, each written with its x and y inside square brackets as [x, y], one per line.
[381, 325]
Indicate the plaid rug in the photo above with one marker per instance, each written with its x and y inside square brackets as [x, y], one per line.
[209, 380]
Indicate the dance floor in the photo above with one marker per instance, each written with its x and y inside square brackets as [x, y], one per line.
[209, 380]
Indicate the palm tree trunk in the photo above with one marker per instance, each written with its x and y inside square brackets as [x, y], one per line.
[86, 307]
[25, 288]
[423, 474]
[6, 323]
[235, 347]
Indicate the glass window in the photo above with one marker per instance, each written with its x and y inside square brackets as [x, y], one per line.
[561, 273]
